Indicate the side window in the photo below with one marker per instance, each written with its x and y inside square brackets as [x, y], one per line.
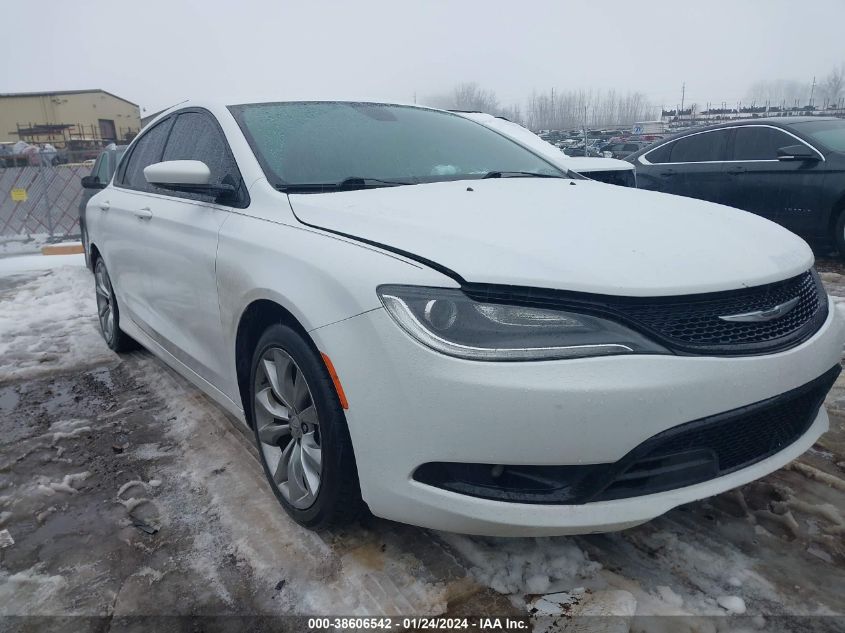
[196, 136]
[97, 169]
[101, 168]
[145, 152]
[703, 147]
[660, 155]
[760, 143]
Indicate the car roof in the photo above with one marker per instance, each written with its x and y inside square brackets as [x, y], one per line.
[772, 121]
[781, 122]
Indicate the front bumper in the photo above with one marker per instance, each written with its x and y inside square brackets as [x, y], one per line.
[409, 406]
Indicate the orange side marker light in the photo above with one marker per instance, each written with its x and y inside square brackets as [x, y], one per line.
[337, 386]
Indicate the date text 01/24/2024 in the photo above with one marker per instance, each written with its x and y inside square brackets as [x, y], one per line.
[419, 623]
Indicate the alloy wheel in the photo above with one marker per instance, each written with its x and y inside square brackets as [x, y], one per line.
[105, 306]
[287, 427]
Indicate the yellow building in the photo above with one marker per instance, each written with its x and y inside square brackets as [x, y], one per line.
[68, 118]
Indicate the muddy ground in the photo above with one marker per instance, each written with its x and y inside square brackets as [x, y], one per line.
[126, 492]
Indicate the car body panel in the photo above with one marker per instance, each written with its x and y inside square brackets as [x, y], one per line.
[304, 285]
[574, 235]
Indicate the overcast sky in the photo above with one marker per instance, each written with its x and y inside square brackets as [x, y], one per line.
[157, 53]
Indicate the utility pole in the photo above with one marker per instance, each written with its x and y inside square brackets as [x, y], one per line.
[683, 93]
[812, 90]
[585, 130]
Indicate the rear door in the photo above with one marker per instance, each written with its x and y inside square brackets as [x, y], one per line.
[119, 234]
[180, 239]
[692, 166]
[787, 192]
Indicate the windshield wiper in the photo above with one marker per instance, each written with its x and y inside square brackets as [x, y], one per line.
[347, 184]
[517, 174]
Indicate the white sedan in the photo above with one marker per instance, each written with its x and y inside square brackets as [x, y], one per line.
[416, 314]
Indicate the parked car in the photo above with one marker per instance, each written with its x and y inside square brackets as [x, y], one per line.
[622, 149]
[101, 173]
[789, 170]
[613, 172]
[409, 308]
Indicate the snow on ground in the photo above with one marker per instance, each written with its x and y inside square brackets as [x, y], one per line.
[22, 244]
[48, 322]
[29, 263]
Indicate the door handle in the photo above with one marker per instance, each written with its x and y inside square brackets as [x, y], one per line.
[144, 214]
[104, 205]
[733, 171]
[668, 172]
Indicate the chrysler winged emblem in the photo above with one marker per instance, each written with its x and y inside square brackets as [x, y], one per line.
[762, 315]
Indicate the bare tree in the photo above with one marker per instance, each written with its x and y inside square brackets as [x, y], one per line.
[471, 96]
[833, 86]
[569, 109]
[777, 92]
[467, 96]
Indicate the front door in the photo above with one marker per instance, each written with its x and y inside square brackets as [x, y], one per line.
[181, 248]
[786, 192]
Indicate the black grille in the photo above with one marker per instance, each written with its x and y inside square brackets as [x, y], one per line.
[681, 456]
[690, 324]
[725, 443]
[695, 323]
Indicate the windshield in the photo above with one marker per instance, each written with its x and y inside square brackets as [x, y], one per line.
[831, 134]
[314, 143]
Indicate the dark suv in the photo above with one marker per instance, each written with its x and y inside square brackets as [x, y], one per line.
[789, 170]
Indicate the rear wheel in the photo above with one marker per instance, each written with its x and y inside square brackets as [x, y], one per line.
[107, 310]
[83, 233]
[301, 431]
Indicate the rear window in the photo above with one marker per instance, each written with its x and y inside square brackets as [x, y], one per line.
[699, 148]
[831, 134]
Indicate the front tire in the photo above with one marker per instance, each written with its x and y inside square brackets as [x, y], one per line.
[108, 312]
[301, 431]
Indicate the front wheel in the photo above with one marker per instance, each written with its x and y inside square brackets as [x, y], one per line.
[301, 431]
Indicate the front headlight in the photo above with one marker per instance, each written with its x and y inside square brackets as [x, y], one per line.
[448, 321]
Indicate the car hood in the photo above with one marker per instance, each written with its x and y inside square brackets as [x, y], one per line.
[566, 234]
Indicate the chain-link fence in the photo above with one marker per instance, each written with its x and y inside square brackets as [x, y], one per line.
[40, 193]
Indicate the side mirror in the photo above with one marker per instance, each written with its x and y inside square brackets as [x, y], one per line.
[192, 176]
[798, 152]
[92, 182]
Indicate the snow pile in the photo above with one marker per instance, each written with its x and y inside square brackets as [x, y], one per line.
[524, 566]
[23, 244]
[732, 604]
[50, 323]
[30, 592]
